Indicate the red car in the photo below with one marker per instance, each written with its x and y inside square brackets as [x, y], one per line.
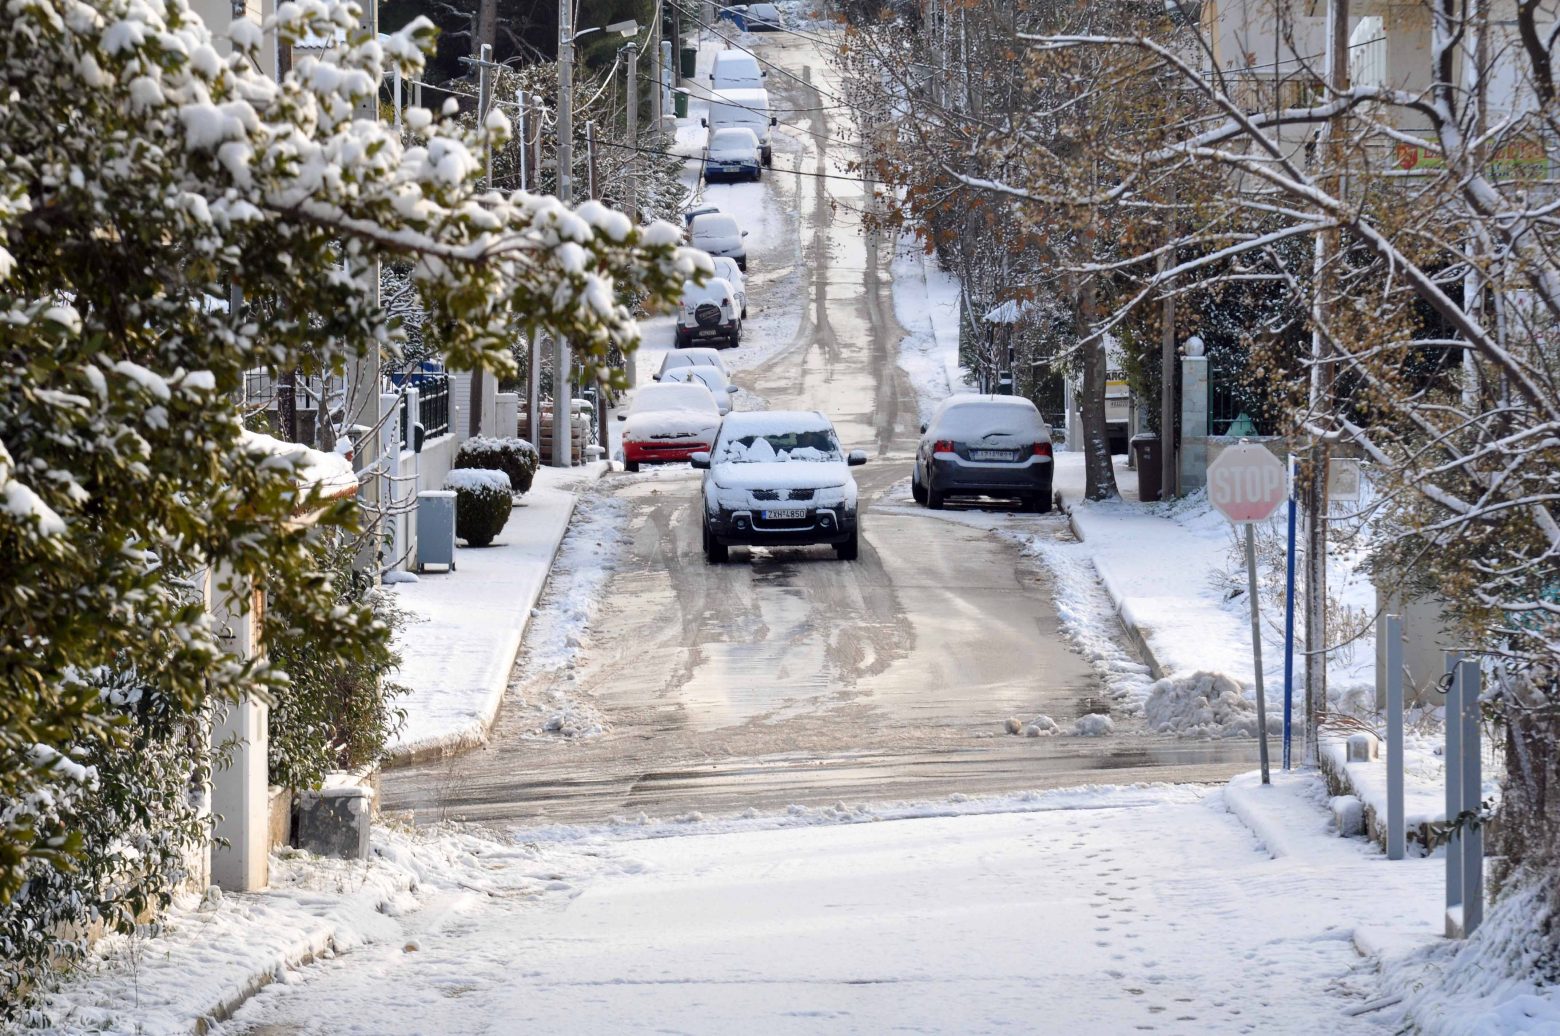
[668, 421]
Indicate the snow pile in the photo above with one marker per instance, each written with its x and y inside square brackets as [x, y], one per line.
[560, 627]
[1095, 724]
[1089, 620]
[1484, 985]
[1044, 726]
[1203, 705]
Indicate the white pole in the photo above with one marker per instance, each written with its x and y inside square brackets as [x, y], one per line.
[562, 391]
[633, 133]
[1397, 836]
[523, 123]
[398, 99]
[484, 101]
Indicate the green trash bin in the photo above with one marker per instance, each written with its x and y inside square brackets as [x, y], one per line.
[690, 62]
[680, 104]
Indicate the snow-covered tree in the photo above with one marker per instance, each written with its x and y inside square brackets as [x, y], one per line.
[145, 178]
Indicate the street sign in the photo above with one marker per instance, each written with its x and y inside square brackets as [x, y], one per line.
[1343, 480]
[1246, 483]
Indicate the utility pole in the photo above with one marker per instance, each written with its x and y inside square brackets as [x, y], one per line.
[563, 393]
[1167, 370]
[590, 159]
[484, 99]
[1328, 245]
[633, 133]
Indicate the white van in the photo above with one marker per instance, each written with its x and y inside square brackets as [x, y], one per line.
[748, 109]
[736, 70]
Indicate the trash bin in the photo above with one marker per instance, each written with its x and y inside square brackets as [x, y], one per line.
[690, 62]
[680, 104]
[436, 529]
[1145, 450]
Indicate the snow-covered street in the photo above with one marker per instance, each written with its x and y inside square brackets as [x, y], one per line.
[1102, 910]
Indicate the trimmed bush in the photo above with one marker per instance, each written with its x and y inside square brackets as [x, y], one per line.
[483, 500]
[514, 457]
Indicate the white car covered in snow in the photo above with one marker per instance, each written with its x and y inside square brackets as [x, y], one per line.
[719, 234]
[668, 422]
[727, 270]
[778, 478]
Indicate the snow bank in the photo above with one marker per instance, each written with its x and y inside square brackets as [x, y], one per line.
[1204, 704]
[1095, 724]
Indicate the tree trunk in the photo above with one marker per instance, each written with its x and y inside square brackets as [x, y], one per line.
[1526, 845]
[1099, 474]
[487, 27]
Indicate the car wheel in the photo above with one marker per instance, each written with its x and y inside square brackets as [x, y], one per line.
[1042, 503]
[917, 491]
[744, 312]
[847, 551]
[934, 499]
[715, 552]
[630, 465]
[742, 263]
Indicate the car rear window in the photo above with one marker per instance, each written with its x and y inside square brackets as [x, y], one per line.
[965, 421]
[715, 225]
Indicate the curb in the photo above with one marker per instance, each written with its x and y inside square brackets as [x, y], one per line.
[476, 735]
[1134, 632]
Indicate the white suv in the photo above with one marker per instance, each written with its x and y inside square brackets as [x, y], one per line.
[709, 314]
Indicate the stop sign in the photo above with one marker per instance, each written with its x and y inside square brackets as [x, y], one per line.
[1246, 483]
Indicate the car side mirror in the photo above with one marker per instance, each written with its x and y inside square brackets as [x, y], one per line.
[700, 460]
[774, 121]
[622, 417]
[856, 458]
[923, 428]
[744, 233]
[705, 123]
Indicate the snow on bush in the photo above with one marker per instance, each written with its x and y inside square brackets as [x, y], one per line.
[513, 456]
[1203, 705]
[1095, 724]
[483, 500]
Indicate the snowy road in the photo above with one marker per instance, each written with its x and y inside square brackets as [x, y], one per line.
[787, 676]
[1099, 911]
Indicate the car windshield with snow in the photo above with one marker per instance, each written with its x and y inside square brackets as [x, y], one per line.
[779, 478]
[974, 446]
[688, 358]
[668, 421]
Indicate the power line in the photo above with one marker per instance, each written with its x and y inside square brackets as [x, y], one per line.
[789, 172]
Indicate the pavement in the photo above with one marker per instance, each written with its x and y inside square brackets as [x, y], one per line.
[464, 628]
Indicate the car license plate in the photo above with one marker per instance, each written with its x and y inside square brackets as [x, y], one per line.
[991, 455]
[708, 332]
[786, 512]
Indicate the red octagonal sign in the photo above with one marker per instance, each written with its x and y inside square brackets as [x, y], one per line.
[1246, 483]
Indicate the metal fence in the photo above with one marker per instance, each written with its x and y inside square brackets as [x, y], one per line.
[433, 403]
[1234, 406]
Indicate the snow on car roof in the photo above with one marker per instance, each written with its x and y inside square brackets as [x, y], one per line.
[714, 288]
[674, 395]
[968, 415]
[734, 134]
[775, 422]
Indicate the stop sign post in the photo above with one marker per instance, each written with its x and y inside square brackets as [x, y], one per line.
[1246, 484]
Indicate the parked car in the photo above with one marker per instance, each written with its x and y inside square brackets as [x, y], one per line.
[709, 312]
[668, 422]
[736, 70]
[727, 267]
[718, 234]
[777, 478]
[688, 357]
[712, 378]
[764, 18]
[732, 154]
[977, 445]
[746, 108]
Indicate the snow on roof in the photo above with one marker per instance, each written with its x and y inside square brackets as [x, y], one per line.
[321, 476]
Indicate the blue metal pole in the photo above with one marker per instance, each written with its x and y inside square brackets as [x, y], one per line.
[1289, 619]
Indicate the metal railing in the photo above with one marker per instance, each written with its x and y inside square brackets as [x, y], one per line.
[1235, 407]
[433, 403]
